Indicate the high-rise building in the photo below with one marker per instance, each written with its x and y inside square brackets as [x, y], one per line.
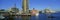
[25, 6]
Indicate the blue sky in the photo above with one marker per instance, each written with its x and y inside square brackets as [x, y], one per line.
[37, 4]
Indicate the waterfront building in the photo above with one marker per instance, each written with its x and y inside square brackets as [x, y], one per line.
[34, 12]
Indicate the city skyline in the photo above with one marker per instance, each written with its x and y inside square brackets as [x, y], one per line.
[37, 4]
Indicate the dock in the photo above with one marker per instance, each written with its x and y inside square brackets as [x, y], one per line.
[21, 15]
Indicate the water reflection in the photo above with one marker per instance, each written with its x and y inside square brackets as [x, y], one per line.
[21, 17]
[39, 17]
[17, 17]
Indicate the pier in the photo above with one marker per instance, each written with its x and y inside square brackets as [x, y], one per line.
[22, 15]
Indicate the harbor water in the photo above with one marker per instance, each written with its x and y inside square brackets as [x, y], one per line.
[42, 16]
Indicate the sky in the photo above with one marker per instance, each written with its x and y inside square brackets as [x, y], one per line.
[37, 4]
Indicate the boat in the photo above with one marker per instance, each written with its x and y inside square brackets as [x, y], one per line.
[1, 16]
